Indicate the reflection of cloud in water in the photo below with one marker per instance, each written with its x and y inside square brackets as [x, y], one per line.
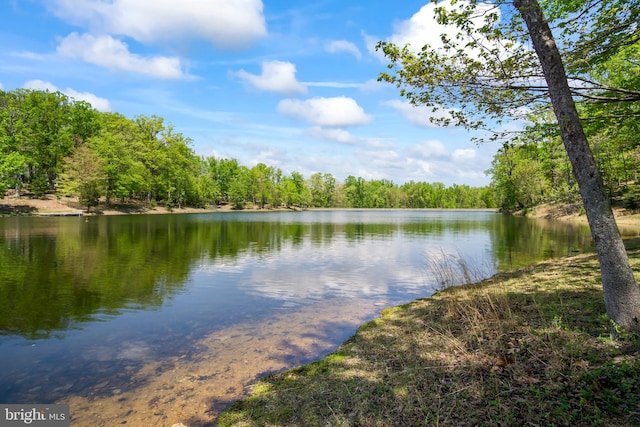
[340, 269]
[135, 351]
[237, 265]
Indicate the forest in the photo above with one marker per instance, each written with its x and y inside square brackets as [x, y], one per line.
[50, 143]
[532, 168]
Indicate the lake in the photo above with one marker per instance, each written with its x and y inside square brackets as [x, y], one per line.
[160, 319]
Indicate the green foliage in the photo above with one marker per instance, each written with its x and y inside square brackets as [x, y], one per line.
[238, 188]
[106, 155]
[223, 172]
[476, 77]
[534, 168]
[631, 198]
[35, 125]
[294, 191]
[119, 149]
[322, 188]
[612, 27]
[39, 184]
[261, 181]
[83, 176]
[11, 167]
[482, 73]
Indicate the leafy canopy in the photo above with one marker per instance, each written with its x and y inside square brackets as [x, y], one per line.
[483, 71]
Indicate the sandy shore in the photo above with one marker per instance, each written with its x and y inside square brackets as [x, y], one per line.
[51, 205]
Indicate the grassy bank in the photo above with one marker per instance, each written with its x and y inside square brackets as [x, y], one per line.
[532, 347]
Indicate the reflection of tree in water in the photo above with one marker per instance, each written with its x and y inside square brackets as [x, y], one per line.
[56, 273]
[517, 242]
[55, 280]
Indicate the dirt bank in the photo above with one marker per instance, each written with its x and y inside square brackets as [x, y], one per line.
[52, 205]
[624, 217]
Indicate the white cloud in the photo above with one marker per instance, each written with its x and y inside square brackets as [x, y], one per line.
[32, 56]
[343, 46]
[422, 28]
[277, 76]
[384, 159]
[108, 52]
[431, 161]
[326, 112]
[40, 85]
[372, 85]
[448, 162]
[464, 155]
[335, 85]
[370, 42]
[100, 104]
[429, 149]
[379, 144]
[1, 86]
[435, 171]
[227, 24]
[417, 114]
[332, 134]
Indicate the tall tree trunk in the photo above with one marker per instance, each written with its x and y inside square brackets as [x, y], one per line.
[621, 293]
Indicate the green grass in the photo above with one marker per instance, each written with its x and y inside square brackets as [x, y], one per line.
[532, 347]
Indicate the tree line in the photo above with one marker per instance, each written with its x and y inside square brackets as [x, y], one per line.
[533, 168]
[50, 143]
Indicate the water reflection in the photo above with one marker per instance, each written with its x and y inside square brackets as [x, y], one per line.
[56, 274]
[90, 306]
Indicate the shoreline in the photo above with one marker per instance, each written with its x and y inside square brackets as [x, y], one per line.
[50, 205]
[528, 347]
[573, 213]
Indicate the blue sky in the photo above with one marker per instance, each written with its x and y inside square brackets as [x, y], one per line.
[288, 83]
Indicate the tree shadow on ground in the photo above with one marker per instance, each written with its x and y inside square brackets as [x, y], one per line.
[520, 349]
[11, 210]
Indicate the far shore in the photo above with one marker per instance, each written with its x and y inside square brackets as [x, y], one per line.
[52, 205]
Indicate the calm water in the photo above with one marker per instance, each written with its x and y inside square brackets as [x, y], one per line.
[89, 303]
